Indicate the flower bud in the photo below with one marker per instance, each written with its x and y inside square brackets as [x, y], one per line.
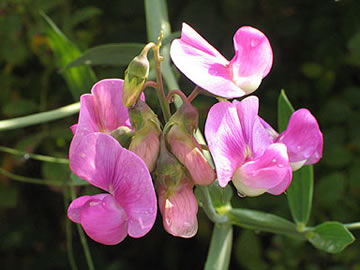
[135, 76]
[123, 135]
[184, 146]
[145, 143]
[178, 207]
[177, 202]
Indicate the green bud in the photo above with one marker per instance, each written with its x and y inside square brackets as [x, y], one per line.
[136, 75]
[186, 117]
[123, 135]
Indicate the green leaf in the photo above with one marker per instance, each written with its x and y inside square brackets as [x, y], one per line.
[330, 236]
[79, 79]
[300, 191]
[285, 109]
[117, 54]
[220, 248]
[256, 220]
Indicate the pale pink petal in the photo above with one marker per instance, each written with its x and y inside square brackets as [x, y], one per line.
[179, 210]
[189, 153]
[303, 138]
[102, 218]
[134, 190]
[225, 139]
[253, 58]
[203, 64]
[283, 185]
[95, 159]
[264, 172]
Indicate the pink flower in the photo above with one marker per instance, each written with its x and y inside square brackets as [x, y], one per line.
[244, 151]
[100, 111]
[179, 208]
[303, 139]
[207, 68]
[129, 207]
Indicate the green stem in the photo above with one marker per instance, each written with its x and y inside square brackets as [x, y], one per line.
[179, 93]
[160, 86]
[83, 239]
[208, 207]
[260, 221]
[33, 156]
[38, 118]
[69, 246]
[36, 181]
[352, 226]
[220, 247]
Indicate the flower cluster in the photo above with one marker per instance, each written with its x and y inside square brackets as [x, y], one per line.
[118, 141]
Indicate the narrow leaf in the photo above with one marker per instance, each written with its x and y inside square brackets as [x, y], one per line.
[220, 248]
[119, 54]
[256, 220]
[80, 79]
[331, 237]
[300, 191]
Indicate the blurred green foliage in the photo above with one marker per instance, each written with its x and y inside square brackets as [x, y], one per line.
[316, 48]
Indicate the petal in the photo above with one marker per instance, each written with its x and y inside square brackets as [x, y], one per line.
[203, 64]
[102, 111]
[225, 139]
[108, 101]
[134, 191]
[189, 153]
[303, 138]
[101, 217]
[179, 210]
[95, 160]
[265, 172]
[104, 163]
[253, 58]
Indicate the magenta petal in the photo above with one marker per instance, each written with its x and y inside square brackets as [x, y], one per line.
[253, 58]
[203, 64]
[134, 190]
[225, 139]
[95, 160]
[102, 218]
[101, 111]
[303, 138]
[265, 172]
[108, 100]
[101, 161]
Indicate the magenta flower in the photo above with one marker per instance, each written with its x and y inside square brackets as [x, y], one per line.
[100, 111]
[244, 151]
[303, 139]
[129, 207]
[207, 68]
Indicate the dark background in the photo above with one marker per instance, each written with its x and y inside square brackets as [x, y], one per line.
[316, 48]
